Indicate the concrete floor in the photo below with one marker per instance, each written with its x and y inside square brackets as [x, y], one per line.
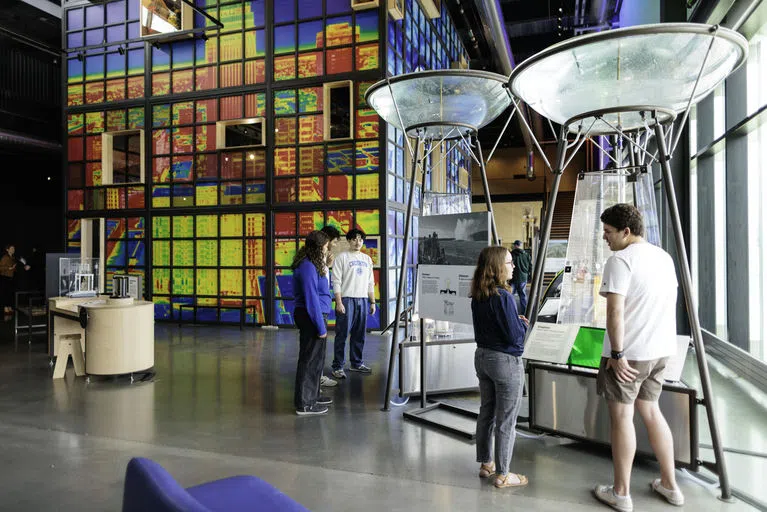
[221, 405]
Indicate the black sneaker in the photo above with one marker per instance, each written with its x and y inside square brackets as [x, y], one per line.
[324, 400]
[314, 410]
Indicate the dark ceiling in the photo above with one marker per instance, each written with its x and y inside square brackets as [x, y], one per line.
[531, 26]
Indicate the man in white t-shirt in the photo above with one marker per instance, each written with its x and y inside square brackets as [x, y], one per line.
[354, 289]
[640, 286]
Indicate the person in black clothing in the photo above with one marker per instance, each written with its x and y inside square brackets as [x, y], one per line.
[499, 332]
[521, 275]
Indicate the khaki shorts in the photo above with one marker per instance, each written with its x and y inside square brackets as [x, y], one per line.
[647, 386]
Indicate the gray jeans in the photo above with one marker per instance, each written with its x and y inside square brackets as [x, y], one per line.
[501, 377]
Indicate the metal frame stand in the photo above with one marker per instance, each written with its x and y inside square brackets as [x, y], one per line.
[655, 117]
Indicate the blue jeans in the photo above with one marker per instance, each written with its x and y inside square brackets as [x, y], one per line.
[501, 378]
[352, 323]
[519, 289]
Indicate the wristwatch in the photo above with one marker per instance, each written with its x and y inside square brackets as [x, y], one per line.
[615, 354]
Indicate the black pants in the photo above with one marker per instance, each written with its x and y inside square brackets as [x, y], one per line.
[311, 359]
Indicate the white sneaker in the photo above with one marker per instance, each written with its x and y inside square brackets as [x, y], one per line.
[328, 382]
[339, 374]
[673, 496]
[606, 494]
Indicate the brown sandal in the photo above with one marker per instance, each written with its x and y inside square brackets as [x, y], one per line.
[506, 481]
[487, 470]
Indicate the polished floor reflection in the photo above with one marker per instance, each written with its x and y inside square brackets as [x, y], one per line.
[221, 404]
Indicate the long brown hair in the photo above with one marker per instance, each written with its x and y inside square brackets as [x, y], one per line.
[491, 273]
[312, 250]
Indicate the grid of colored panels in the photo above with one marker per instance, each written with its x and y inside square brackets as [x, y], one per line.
[105, 55]
[231, 56]
[85, 190]
[125, 248]
[215, 264]
[74, 235]
[187, 170]
[417, 43]
[309, 41]
[307, 169]
[290, 230]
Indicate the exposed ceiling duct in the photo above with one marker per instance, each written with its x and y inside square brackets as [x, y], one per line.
[498, 40]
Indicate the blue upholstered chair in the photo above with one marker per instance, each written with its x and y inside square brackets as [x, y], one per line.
[149, 488]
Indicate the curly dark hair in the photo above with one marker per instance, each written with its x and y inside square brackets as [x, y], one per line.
[491, 273]
[332, 232]
[312, 250]
[622, 216]
[353, 233]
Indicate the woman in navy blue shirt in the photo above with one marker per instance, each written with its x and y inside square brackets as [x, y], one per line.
[310, 287]
[499, 331]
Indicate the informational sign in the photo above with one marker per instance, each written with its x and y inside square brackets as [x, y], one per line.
[551, 343]
[443, 292]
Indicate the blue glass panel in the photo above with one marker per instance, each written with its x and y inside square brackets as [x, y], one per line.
[183, 52]
[116, 12]
[284, 10]
[115, 64]
[94, 16]
[309, 9]
[161, 57]
[95, 36]
[133, 30]
[136, 59]
[337, 6]
[230, 316]
[162, 311]
[74, 69]
[116, 33]
[285, 39]
[133, 9]
[285, 286]
[75, 19]
[208, 315]
[255, 9]
[75, 40]
[94, 67]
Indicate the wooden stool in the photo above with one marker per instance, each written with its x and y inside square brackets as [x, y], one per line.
[63, 327]
[69, 345]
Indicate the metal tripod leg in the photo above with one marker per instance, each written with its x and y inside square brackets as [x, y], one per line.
[692, 311]
[543, 241]
[402, 275]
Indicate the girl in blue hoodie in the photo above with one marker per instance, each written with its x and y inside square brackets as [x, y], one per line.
[310, 287]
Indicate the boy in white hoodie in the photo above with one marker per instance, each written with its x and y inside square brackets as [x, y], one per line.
[353, 286]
